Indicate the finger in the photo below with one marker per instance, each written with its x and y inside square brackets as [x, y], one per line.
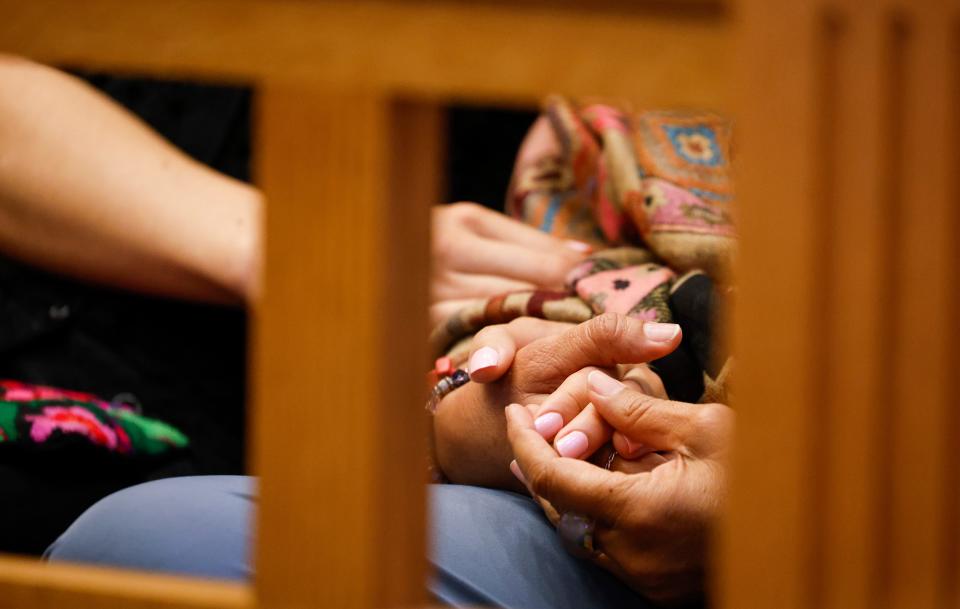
[607, 559]
[545, 269]
[561, 406]
[644, 378]
[569, 401]
[494, 347]
[604, 341]
[443, 310]
[584, 435]
[540, 141]
[627, 448]
[454, 285]
[499, 227]
[568, 484]
[514, 468]
[640, 418]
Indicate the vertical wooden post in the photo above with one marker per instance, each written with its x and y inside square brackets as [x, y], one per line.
[857, 137]
[841, 484]
[340, 350]
[777, 319]
[924, 377]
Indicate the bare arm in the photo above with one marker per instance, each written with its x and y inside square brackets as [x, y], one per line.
[86, 189]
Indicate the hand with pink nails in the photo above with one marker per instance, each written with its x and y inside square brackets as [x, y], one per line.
[526, 361]
[478, 253]
[653, 512]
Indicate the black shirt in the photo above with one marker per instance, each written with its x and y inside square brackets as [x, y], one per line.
[185, 362]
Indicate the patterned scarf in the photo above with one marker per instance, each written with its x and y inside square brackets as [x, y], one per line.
[653, 187]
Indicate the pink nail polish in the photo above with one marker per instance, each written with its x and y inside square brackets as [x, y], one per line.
[633, 448]
[603, 384]
[578, 246]
[573, 444]
[549, 424]
[515, 469]
[660, 333]
[484, 357]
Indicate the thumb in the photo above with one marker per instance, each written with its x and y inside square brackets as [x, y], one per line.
[605, 340]
[641, 419]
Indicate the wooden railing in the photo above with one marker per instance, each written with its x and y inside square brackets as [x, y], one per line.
[843, 483]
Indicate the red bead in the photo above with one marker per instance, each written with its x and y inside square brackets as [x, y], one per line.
[443, 366]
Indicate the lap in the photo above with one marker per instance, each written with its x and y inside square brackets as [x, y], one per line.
[496, 548]
[196, 525]
[487, 547]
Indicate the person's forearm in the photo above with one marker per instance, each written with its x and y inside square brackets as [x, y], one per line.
[86, 189]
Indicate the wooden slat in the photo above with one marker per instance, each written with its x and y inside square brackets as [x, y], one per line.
[339, 348]
[923, 379]
[857, 135]
[846, 446]
[674, 56]
[951, 564]
[416, 181]
[31, 584]
[767, 537]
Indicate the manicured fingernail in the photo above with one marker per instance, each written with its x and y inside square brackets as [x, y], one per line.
[660, 333]
[633, 448]
[603, 384]
[484, 357]
[516, 472]
[573, 444]
[549, 424]
[578, 246]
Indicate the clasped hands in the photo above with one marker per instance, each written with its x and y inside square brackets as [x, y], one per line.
[568, 396]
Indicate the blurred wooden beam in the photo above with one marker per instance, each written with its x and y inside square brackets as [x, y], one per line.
[768, 534]
[38, 585]
[339, 350]
[672, 55]
[844, 482]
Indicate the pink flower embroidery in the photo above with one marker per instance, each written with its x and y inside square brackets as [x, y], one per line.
[71, 419]
[619, 290]
[15, 391]
[668, 208]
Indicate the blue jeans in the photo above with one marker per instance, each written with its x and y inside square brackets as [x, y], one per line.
[488, 547]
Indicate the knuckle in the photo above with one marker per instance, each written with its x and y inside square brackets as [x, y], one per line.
[444, 245]
[608, 328]
[635, 406]
[711, 416]
[542, 478]
[466, 212]
[712, 425]
[638, 410]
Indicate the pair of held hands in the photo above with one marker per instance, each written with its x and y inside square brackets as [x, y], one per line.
[568, 395]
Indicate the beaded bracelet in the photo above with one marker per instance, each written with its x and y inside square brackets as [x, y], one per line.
[448, 379]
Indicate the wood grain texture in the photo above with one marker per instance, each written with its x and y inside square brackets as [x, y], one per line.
[339, 348]
[857, 134]
[31, 584]
[923, 375]
[951, 563]
[501, 52]
[843, 484]
[766, 542]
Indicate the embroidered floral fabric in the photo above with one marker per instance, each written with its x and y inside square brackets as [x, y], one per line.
[36, 417]
[655, 188]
